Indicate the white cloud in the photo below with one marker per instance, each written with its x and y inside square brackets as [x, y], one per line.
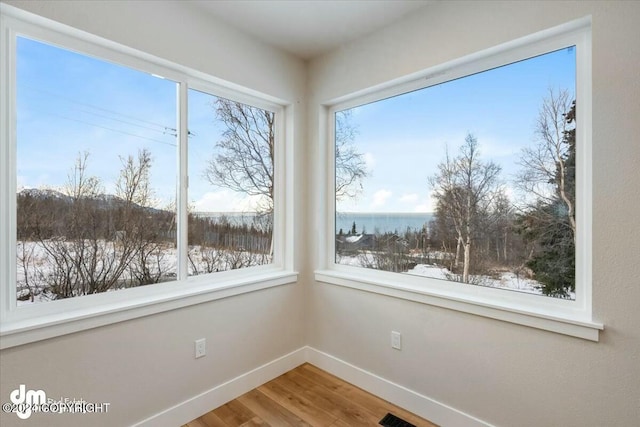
[369, 161]
[426, 205]
[409, 198]
[491, 148]
[380, 198]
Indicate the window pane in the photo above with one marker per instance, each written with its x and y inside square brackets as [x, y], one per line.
[231, 148]
[472, 180]
[96, 166]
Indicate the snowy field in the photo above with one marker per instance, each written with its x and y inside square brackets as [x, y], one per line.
[35, 264]
[506, 280]
[38, 268]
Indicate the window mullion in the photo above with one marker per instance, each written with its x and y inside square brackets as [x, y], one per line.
[8, 180]
[183, 181]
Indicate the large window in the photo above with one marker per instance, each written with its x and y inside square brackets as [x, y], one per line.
[96, 175]
[120, 171]
[471, 181]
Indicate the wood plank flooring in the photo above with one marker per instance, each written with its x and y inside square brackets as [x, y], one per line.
[305, 396]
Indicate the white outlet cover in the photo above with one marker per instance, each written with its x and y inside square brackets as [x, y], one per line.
[201, 347]
[396, 340]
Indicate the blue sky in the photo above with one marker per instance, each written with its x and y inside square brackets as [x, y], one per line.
[206, 131]
[70, 103]
[404, 138]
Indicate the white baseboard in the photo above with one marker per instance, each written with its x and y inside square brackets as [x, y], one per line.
[423, 406]
[198, 405]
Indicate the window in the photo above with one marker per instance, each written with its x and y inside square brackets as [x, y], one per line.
[231, 185]
[96, 175]
[472, 181]
[127, 180]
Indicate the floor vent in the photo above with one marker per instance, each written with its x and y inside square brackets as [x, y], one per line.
[391, 420]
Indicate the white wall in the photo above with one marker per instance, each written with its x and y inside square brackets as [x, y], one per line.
[145, 366]
[502, 373]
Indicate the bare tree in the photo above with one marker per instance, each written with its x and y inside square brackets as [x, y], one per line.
[350, 165]
[80, 260]
[30, 284]
[547, 172]
[92, 243]
[547, 221]
[465, 187]
[147, 266]
[205, 259]
[79, 185]
[246, 153]
[502, 220]
[133, 185]
[138, 228]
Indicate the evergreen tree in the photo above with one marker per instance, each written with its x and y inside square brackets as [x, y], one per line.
[554, 262]
[550, 224]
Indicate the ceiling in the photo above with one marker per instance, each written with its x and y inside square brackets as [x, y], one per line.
[307, 28]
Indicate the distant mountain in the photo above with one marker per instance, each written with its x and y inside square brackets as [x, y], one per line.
[101, 201]
[44, 193]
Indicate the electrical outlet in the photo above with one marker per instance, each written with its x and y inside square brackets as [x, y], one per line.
[201, 347]
[396, 340]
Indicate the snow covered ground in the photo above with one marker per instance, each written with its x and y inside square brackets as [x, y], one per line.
[205, 260]
[507, 280]
[38, 265]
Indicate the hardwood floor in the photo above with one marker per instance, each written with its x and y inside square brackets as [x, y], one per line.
[305, 396]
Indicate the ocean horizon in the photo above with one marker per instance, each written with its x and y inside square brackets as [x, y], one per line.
[366, 222]
[381, 222]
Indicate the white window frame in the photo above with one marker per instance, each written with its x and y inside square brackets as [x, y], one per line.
[29, 323]
[563, 316]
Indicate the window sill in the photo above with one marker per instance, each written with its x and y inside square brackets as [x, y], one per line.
[18, 332]
[574, 327]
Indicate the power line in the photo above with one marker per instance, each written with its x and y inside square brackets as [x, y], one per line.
[163, 127]
[165, 131]
[111, 129]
